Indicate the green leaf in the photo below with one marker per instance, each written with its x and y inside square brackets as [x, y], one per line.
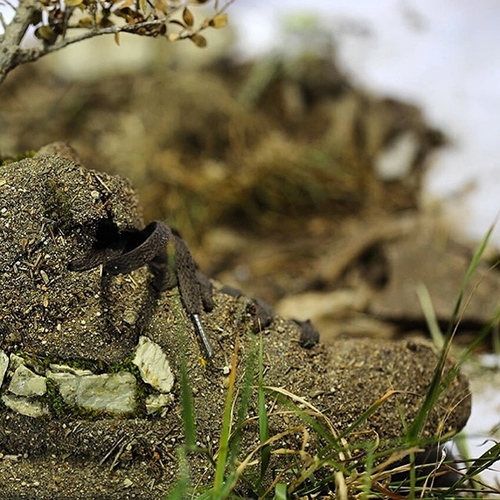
[187, 407]
[265, 456]
[280, 492]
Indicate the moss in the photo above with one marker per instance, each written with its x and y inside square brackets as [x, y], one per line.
[96, 367]
[125, 365]
[6, 160]
[55, 401]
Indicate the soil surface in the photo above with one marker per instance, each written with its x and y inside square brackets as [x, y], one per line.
[66, 316]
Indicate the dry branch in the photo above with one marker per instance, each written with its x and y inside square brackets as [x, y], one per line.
[53, 21]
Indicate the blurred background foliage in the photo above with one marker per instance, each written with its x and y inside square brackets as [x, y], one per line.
[282, 149]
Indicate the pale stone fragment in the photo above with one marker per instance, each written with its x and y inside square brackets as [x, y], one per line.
[156, 402]
[113, 393]
[24, 406]
[153, 365]
[15, 361]
[69, 369]
[4, 364]
[26, 383]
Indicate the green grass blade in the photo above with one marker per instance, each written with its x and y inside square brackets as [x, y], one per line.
[413, 476]
[187, 406]
[436, 386]
[368, 467]
[430, 315]
[226, 428]
[286, 399]
[263, 417]
[245, 394]
[495, 338]
[223, 493]
[485, 461]
[280, 492]
[179, 491]
[367, 413]
[476, 258]
[467, 353]
[188, 411]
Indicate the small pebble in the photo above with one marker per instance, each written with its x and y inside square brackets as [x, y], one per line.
[309, 336]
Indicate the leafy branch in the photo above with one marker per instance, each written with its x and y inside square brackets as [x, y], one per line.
[58, 23]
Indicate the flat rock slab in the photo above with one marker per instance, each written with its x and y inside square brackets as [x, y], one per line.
[441, 266]
[68, 456]
[372, 275]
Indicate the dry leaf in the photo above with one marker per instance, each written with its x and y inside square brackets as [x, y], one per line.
[46, 33]
[73, 3]
[173, 37]
[218, 21]
[187, 17]
[199, 40]
[162, 6]
[177, 22]
[85, 22]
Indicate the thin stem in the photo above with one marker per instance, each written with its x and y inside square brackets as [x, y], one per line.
[14, 33]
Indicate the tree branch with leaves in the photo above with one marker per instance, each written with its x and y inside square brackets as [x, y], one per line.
[58, 23]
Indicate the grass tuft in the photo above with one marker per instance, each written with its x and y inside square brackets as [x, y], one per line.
[352, 462]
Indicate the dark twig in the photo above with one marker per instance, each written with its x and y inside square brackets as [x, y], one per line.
[112, 449]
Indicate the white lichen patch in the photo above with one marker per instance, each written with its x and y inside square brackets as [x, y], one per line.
[153, 365]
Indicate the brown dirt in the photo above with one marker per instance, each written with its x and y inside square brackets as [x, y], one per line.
[136, 457]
